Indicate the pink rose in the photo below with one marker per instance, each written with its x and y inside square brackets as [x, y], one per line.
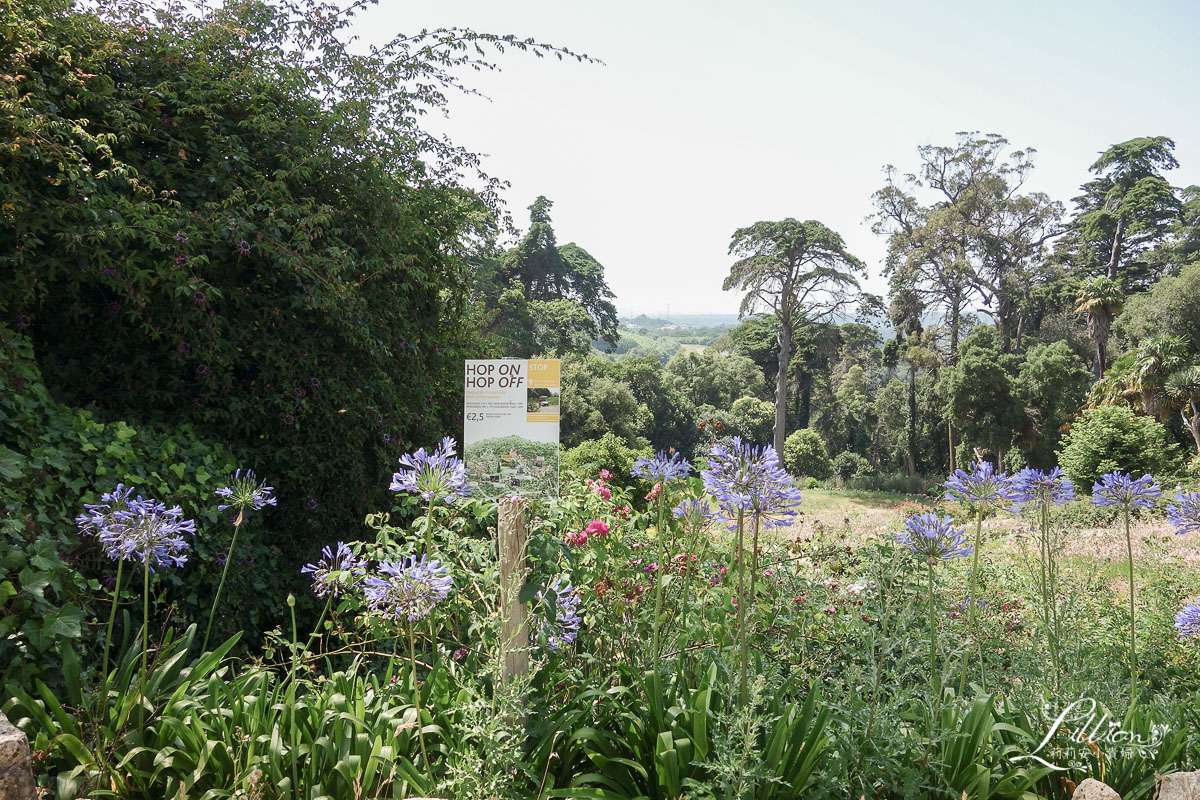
[597, 528]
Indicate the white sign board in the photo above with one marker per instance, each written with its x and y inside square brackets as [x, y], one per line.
[510, 426]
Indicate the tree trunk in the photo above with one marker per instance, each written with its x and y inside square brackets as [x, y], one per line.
[781, 384]
[954, 323]
[1114, 258]
[910, 458]
[1192, 423]
[1098, 367]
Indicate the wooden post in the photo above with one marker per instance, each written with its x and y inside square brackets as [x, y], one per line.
[514, 633]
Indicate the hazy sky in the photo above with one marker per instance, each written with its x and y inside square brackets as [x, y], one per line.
[709, 116]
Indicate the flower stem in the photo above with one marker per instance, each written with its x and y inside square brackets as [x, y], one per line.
[112, 615]
[412, 656]
[295, 754]
[973, 608]
[1133, 668]
[429, 528]
[741, 609]
[1048, 594]
[658, 573]
[145, 611]
[237, 525]
[934, 671]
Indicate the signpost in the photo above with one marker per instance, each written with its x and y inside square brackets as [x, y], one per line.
[510, 426]
[510, 449]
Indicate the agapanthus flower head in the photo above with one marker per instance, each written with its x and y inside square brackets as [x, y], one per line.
[934, 538]
[1187, 621]
[338, 571]
[663, 468]
[749, 479]
[438, 475]
[694, 514]
[1043, 488]
[565, 627]
[408, 589]
[1185, 517]
[983, 488]
[1122, 489]
[244, 493]
[132, 528]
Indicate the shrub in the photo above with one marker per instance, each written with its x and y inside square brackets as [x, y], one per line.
[752, 419]
[1114, 438]
[52, 460]
[609, 452]
[804, 455]
[849, 465]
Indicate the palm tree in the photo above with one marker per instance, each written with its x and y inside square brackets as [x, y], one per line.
[1183, 387]
[1101, 299]
[1157, 358]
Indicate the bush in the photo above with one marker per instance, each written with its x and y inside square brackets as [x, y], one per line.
[849, 465]
[752, 419]
[1114, 438]
[609, 452]
[804, 455]
[53, 459]
[896, 482]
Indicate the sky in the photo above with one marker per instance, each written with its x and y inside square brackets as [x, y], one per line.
[709, 116]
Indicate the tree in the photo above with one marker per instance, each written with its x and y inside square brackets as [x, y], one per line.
[1183, 387]
[1101, 299]
[1053, 383]
[979, 239]
[542, 298]
[1125, 212]
[1171, 307]
[804, 455]
[981, 393]
[800, 273]
[230, 218]
[751, 419]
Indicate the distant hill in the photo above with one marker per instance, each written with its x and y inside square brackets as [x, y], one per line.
[642, 321]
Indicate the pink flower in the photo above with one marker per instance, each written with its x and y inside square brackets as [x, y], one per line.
[653, 494]
[597, 528]
[604, 492]
[605, 475]
[576, 539]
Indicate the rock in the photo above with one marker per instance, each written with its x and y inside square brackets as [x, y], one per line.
[1092, 789]
[1179, 786]
[16, 774]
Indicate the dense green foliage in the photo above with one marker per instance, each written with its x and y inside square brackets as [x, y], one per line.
[1114, 438]
[804, 455]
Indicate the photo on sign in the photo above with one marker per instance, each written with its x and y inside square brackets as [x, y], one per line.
[508, 465]
[542, 401]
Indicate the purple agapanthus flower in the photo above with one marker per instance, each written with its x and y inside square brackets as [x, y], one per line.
[1187, 621]
[437, 475]
[338, 571]
[1043, 488]
[565, 627]
[1122, 489]
[244, 492]
[694, 513]
[1185, 517]
[749, 479]
[663, 468]
[409, 589]
[934, 538]
[132, 528]
[984, 488]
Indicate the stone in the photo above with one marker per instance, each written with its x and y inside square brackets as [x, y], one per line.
[16, 773]
[1092, 789]
[1179, 786]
